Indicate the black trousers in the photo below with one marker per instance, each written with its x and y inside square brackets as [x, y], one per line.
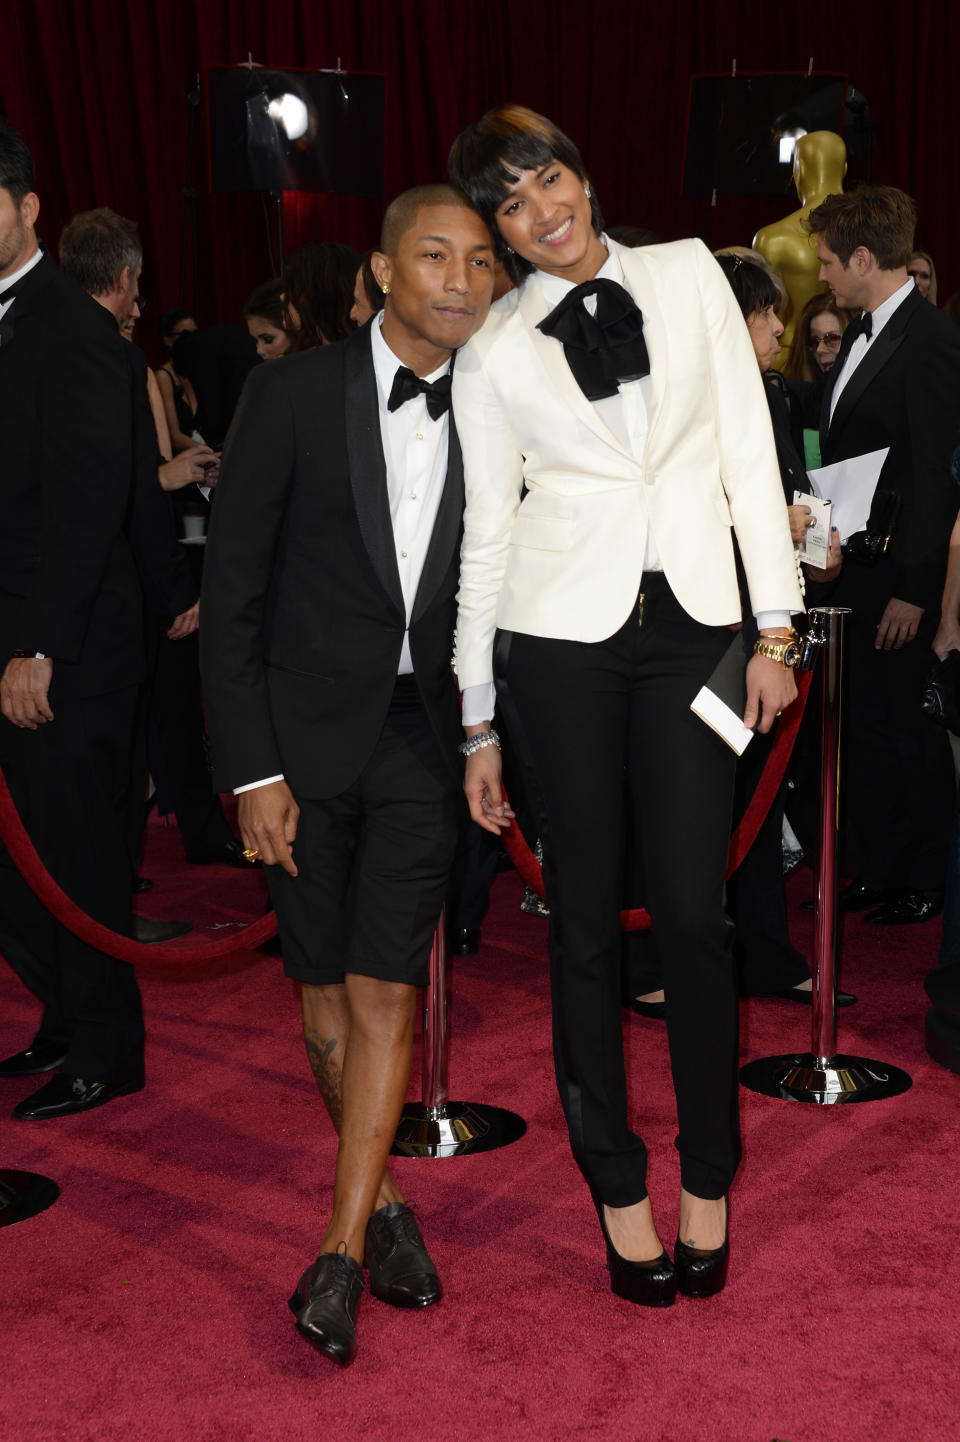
[70, 782]
[587, 718]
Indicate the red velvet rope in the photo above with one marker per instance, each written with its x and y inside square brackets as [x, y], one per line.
[14, 836]
[746, 833]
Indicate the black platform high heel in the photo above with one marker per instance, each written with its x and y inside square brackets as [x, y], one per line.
[649, 1284]
[703, 1273]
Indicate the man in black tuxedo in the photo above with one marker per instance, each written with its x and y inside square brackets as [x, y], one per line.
[328, 606]
[896, 384]
[71, 652]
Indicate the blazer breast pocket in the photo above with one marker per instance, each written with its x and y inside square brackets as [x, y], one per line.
[542, 533]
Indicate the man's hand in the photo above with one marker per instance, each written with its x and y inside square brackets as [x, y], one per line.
[898, 625]
[799, 517]
[188, 467]
[185, 624]
[268, 817]
[481, 782]
[24, 687]
[770, 690]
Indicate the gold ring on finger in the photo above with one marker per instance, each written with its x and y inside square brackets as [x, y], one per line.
[251, 854]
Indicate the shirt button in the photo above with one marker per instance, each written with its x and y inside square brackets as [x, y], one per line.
[404, 554]
[413, 495]
[419, 435]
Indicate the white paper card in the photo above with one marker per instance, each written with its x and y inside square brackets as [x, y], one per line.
[815, 546]
[850, 485]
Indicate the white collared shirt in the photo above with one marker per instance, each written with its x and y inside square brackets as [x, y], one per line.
[415, 453]
[7, 282]
[858, 350]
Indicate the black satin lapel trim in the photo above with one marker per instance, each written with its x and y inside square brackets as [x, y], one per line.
[445, 539]
[368, 470]
[878, 353]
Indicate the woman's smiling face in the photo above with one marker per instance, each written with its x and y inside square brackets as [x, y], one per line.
[547, 219]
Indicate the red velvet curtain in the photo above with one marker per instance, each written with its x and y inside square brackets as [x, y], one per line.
[98, 87]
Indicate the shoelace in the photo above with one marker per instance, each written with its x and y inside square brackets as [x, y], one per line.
[402, 1227]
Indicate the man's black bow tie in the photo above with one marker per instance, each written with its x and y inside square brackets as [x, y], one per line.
[604, 349]
[6, 296]
[406, 385]
[863, 325]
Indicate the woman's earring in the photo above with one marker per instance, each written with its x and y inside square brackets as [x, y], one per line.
[587, 191]
[385, 289]
[509, 250]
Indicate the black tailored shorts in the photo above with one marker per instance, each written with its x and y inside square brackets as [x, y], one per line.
[373, 861]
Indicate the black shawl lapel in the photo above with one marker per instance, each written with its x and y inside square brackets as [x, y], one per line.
[368, 471]
[878, 353]
[446, 528]
[31, 285]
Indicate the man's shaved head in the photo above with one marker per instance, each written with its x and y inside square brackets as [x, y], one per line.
[401, 214]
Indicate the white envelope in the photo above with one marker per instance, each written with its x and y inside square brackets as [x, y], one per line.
[850, 486]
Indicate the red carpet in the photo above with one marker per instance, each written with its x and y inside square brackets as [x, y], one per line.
[150, 1302]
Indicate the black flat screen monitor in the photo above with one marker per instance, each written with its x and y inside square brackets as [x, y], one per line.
[277, 130]
[736, 123]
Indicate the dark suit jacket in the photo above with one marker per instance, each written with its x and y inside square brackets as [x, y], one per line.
[68, 585]
[303, 616]
[905, 394]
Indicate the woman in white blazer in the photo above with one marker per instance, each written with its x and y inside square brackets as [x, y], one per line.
[615, 435]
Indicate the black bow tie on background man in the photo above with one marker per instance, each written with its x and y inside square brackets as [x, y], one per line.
[406, 385]
[604, 349]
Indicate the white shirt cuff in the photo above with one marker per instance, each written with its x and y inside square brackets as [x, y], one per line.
[252, 785]
[478, 703]
[773, 620]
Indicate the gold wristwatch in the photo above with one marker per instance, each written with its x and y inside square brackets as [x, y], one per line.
[787, 651]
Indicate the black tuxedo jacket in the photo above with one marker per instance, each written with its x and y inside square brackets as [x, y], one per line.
[303, 616]
[905, 394]
[68, 584]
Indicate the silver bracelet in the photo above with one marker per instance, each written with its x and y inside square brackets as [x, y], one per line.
[477, 742]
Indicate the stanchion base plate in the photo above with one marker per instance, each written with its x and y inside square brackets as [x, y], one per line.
[23, 1195]
[455, 1129]
[803, 1077]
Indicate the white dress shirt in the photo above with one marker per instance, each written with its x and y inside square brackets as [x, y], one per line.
[415, 453]
[859, 348]
[7, 282]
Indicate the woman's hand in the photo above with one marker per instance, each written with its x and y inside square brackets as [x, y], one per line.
[188, 467]
[799, 517]
[831, 570]
[947, 638]
[770, 690]
[482, 784]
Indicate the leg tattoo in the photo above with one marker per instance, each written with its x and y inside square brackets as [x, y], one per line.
[324, 1055]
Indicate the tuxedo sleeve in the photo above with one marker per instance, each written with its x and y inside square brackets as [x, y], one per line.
[83, 463]
[933, 415]
[256, 474]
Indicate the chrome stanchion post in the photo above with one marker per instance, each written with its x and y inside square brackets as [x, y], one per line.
[436, 1127]
[820, 1075]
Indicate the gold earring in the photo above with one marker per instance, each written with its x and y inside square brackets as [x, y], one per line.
[385, 289]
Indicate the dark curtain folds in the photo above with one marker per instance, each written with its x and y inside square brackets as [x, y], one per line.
[97, 87]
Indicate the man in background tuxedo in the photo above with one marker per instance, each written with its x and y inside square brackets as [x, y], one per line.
[328, 606]
[71, 649]
[896, 384]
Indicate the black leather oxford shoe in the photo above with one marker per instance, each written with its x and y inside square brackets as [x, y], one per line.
[147, 929]
[325, 1305]
[66, 1095]
[401, 1271]
[857, 895]
[907, 909]
[40, 1056]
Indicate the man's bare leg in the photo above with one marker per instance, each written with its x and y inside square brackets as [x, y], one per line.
[326, 1033]
[374, 1074]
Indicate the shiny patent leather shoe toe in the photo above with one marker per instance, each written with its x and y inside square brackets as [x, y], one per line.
[648, 1284]
[67, 1095]
[655, 1010]
[401, 1270]
[40, 1056]
[463, 940]
[703, 1272]
[908, 909]
[325, 1305]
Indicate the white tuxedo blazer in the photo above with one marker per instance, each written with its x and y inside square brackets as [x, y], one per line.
[568, 561]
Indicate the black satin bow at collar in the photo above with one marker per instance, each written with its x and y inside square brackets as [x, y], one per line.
[406, 385]
[602, 350]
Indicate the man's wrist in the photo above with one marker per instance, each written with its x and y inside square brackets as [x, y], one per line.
[20, 655]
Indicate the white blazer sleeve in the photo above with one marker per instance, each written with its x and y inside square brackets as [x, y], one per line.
[493, 479]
